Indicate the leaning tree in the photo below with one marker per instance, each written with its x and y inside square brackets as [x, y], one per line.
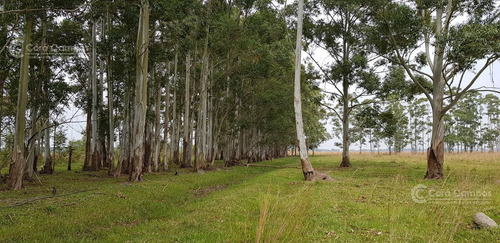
[309, 173]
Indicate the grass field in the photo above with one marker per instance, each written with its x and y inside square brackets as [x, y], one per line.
[372, 201]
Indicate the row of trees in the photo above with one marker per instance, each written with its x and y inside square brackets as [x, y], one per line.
[212, 77]
[210, 82]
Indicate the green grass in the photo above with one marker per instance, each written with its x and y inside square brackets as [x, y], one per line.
[369, 202]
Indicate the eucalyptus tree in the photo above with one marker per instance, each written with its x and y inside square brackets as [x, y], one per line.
[491, 132]
[338, 28]
[452, 49]
[111, 116]
[401, 137]
[7, 62]
[393, 123]
[367, 118]
[468, 121]
[141, 92]
[417, 109]
[358, 130]
[166, 119]
[34, 76]
[95, 155]
[17, 162]
[307, 168]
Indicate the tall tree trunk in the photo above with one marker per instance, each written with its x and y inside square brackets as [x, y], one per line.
[111, 146]
[204, 93]
[192, 123]
[141, 89]
[124, 157]
[371, 141]
[4, 72]
[34, 134]
[148, 132]
[95, 140]
[307, 168]
[346, 160]
[157, 139]
[435, 153]
[54, 157]
[32, 153]
[174, 145]
[197, 141]
[203, 108]
[88, 130]
[102, 156]
[16, 165]
[166, 156]
[47, 167]
[185, 163]
[210, 129]
[3, 77]
[177, 137]
[127, 167]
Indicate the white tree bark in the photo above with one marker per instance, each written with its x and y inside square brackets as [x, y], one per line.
[17, 163]
[141, 92]
[94, 141]
[124, 156]
[204, 107]
[166, 156]
[157, 140]
[307, 168]
[173, 136]
[185, 150]
[111, 146]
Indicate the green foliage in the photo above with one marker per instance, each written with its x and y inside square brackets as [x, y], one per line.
[78, 148]
[417, 111]
[471, 42]
[466, 128]
[394, 22]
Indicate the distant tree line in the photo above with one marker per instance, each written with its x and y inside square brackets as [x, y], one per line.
[471, 126]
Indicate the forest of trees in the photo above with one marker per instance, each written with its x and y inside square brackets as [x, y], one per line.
[190, 82]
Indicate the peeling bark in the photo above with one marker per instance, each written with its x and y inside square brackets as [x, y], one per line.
[141, 89]
[17, 163]
[435, 154]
